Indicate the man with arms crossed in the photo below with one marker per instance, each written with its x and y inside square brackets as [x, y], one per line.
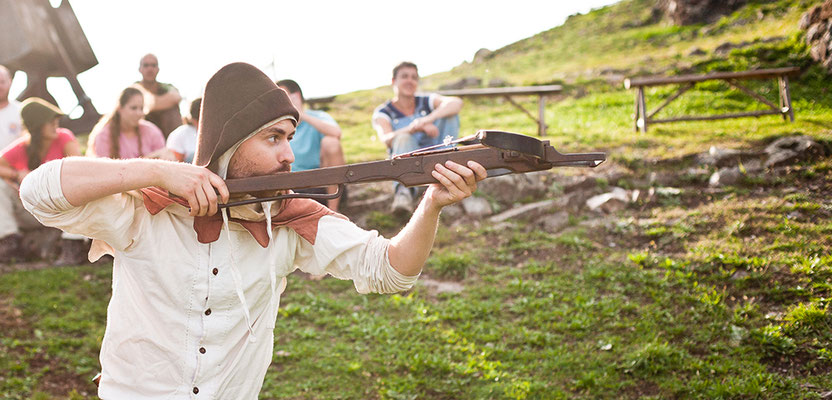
[196, 291]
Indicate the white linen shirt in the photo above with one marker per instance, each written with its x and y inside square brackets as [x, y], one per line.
[175, 324]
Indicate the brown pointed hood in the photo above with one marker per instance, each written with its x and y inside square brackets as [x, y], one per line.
[238, 100]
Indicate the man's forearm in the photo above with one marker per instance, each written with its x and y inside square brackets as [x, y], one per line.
[410, 249]
[449, 106]
[80, 186]
[168, 100]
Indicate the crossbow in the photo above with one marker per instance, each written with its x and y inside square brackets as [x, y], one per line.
[497, 151]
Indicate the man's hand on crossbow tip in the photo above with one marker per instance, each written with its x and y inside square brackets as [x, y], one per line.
[456, 182]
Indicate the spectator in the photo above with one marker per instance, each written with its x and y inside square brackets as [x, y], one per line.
[182, 141]
[161, 100]
[44, 141]
[317, 141]
[410, 121]
[124, 134]
[9, 110]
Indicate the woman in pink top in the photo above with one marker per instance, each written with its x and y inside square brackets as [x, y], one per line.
[125, 134]
[44, 141]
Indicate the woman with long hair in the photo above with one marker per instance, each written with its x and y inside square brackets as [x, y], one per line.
[125, 134]
[42, 141]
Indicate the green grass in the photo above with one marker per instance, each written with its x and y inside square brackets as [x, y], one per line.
[698, 295]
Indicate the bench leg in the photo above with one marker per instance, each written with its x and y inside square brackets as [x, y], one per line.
[788, 98]
[641, 120]
[541, 121]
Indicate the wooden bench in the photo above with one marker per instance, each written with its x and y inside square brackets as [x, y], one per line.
[507, 92]
[643, 118]
[317, 103]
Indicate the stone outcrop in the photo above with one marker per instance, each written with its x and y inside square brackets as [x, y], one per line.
[688, 12]
[817, 22]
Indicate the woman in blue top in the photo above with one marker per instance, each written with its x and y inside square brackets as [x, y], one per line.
[410, 121]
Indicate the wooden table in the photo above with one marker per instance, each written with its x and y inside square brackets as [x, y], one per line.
[317, 103]
[643, 118]
[507, 92]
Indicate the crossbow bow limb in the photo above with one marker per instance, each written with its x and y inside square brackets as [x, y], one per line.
[497, 151]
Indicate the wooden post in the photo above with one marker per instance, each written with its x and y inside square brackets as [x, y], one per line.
[541, 121]
[782, 97]
[788, 97]
[642, 106]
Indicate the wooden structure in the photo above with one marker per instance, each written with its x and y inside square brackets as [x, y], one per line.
[643, 118]
[319, 103]
[47, 42]
[507, 92]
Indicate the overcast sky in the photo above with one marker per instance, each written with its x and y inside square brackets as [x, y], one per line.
[328, 47]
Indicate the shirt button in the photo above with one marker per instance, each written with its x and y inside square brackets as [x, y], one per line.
[196, 390]
[215, 271]
[202, 350]
[208, 312]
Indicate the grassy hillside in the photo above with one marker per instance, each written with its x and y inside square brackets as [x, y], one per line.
[701, 293]
[590, 54]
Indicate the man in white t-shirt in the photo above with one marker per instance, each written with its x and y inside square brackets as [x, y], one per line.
[10, 126]
[182, 141]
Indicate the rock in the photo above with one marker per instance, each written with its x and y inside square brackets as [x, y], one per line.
[688, 12]
[476, 207]
[435, 287]
[815, 32]
[462, 83]
[810, 18]
[498, 82]
[668, 191]
[725, 157]
[793, 149]
[697, 52]
[524, 210]
[509, 189]
[819, 50]
[695, 173]
[580, 182]
[41, 243]
[553, 223]
[482, 55]
[452, 212]
[725, 177]
[610, 202]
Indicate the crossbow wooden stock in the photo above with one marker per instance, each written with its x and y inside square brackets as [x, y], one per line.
[499, 152]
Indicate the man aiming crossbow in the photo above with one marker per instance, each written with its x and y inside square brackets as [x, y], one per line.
[196, 291]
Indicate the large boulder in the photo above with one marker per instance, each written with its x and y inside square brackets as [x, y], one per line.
[816, 22]
[793, 149]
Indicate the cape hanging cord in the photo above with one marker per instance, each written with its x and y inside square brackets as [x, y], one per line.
[235, 273]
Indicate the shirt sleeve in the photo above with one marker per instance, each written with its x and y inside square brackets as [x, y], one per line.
[176, 140]
[346, 251]
[379, 113]
[431, 100]
[109, 218]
